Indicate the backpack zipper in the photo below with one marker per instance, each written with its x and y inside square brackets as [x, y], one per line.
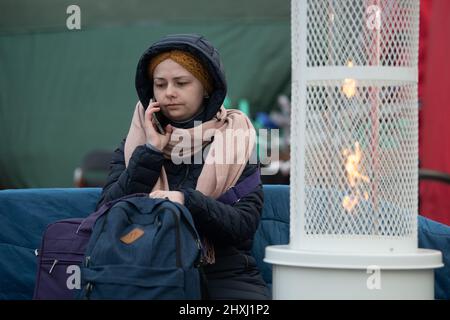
[178, 239]
[53, 265]
[197, 240]
[54, 262]
[88, 288]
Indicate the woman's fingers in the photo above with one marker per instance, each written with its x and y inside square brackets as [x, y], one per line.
[152, 107]
[169, 129]
[153, 104]
[148, 118]
[157, 194]
[150, 111]
[152, 133]
[175, 196]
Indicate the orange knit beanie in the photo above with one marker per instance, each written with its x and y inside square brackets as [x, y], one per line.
[187, 61]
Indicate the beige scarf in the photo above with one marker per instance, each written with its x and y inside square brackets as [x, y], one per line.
[232, 146]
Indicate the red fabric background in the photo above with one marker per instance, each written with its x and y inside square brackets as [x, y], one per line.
[434, 90]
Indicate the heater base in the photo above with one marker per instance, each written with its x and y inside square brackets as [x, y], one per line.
[301, 274]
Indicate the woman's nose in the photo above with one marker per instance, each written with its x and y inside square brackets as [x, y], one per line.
[170, 91]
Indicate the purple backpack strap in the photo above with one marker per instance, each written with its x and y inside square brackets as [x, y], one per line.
[234, 194]
[89, 221]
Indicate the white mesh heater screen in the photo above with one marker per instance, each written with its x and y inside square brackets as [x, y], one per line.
[354, 178]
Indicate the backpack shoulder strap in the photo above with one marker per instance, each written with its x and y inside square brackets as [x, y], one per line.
[235, 193]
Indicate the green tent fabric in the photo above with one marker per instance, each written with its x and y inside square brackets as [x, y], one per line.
[64, 93]
[18, 16]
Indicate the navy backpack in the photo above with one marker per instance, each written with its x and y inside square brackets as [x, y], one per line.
[61, 253]
[144, 248]
[166, 264]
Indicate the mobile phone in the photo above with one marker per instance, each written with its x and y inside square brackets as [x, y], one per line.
[158, 124]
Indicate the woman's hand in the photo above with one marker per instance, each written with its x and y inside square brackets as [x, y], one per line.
[175, 196]
[153, 136]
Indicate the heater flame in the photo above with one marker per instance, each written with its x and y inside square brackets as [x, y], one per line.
[349, 202]
[354, 175]
[352, 166]
[349, 85]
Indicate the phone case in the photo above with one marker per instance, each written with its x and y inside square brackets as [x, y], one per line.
[158, 124]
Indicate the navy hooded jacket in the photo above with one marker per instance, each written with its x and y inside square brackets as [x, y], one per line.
[230, 228]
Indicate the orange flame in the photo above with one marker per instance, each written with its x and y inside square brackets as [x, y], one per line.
[349, 85]
[352, 166]
[349, 202]
[354, 175]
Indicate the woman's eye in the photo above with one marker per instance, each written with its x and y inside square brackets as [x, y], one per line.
[158, 85]
[182, 83]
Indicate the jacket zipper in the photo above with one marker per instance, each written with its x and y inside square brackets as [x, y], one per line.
[185, 177]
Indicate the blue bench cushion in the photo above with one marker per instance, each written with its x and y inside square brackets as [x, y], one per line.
[25, 213]
[274, 225]
[434, 235]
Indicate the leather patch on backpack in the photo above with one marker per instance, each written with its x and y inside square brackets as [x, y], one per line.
[132, 236]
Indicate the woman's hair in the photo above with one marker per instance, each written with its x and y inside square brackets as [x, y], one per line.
[186, 60]
[207, 68]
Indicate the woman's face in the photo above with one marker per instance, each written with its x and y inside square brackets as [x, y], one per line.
[178, 92]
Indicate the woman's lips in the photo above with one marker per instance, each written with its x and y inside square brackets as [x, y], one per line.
[173, 105]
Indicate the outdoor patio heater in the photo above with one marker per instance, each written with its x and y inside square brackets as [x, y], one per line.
[354, 155]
